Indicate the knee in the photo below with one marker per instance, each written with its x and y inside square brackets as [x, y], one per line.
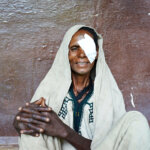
[137, 121]
[136, 116]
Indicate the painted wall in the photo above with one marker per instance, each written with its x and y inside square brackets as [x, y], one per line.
[31, 32]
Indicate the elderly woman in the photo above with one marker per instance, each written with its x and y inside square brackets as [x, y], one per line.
[82, 106]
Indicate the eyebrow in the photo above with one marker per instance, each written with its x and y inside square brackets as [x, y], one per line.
[75, 46]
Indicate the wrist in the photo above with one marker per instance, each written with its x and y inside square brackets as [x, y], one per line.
[75, 139]
[66, 132]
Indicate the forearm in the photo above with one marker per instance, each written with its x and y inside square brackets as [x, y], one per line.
[78, 141]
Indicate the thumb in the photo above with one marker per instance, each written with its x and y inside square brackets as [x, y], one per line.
[41, 101]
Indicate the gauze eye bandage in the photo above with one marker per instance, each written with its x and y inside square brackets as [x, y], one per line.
[89, 47]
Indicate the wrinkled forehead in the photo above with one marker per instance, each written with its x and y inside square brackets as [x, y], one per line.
[79, 35]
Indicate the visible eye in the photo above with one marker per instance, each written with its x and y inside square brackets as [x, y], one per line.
[74, 48]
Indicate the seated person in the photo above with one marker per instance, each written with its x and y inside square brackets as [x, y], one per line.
[82, 107]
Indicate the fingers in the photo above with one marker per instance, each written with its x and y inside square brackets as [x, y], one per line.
[43, 102]
[29, 110]
[34, 104]
[32, 126]
[41, 118]
[35, 128]
[33, 118]
[28, 120]
[38, 102]
[29, 132]
[38, 105]
[18, 125]
[35, 110]
[26, 115]
[22, 126]
[43, 109]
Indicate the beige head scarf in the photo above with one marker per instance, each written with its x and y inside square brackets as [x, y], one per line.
[108, 105]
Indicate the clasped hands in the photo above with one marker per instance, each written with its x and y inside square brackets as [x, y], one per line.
[37, 118]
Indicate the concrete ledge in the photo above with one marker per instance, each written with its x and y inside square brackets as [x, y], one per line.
[9, 143]
[8, 140]
[9, 147]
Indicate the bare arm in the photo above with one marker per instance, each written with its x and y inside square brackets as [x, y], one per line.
[76, 140]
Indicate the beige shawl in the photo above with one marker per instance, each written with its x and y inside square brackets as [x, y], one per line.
[108, 105]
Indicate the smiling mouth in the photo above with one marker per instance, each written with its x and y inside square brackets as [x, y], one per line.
[82, 63]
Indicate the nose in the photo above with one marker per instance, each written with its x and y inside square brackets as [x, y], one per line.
[82, 53]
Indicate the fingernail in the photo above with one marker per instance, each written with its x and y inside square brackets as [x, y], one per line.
[41, 130]
[21, 131]
[47, 119]
[27, 104]
[36, 134]
[20, 108]
[18, 117]
[49, 108]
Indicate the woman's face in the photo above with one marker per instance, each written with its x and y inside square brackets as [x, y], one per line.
[78, 60]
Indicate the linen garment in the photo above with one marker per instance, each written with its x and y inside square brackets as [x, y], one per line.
[113, 128]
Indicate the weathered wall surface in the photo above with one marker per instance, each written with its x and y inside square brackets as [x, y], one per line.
[31, 32]
[125, 28]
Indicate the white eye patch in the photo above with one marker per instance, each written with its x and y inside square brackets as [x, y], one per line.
[89, 47]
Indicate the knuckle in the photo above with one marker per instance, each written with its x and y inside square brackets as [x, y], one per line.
[24, 109]
[31, 111]
[27, 104]
[17, 118]
[41, 130]
[46, 113]
[47, 119]
[43, 126]
[20, 108]
[33, 115]
[30, 120]
[29, 125]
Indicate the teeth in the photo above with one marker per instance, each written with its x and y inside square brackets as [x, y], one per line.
[82, 63]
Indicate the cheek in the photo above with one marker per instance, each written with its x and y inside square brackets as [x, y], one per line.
[92, 65]
[72, 57]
